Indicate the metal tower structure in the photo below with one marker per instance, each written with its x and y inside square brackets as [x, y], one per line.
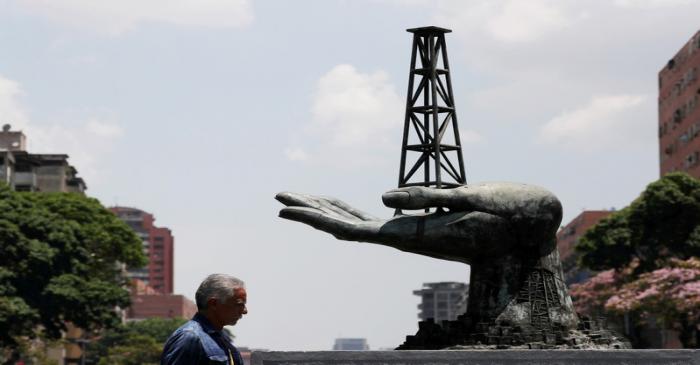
[430, 130]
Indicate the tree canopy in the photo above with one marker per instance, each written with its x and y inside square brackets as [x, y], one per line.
[137, 342]
[649, 253]
[663, 222]
[61, 259]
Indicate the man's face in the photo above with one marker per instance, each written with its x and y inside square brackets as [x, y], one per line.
[231, 310]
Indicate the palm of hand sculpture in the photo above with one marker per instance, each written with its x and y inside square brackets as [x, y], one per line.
[505, 231]
[483, 220]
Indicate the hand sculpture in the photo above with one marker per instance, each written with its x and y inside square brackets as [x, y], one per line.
[505, 231]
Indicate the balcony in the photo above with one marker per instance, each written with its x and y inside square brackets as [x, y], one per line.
[25, 178]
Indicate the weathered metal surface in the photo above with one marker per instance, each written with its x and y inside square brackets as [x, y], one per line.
[496, 357]
[504, 231]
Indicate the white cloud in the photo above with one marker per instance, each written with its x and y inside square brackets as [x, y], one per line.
[117, 17]
[468, 136]
[296, 154]
[506, 21]
[355, 117]
[605, 118]
[354, 108]
[10, 109]
[523, 21]
[86, 144]
[103, 129]
[651, 3]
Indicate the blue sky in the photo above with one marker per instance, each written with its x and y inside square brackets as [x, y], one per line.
[201, 111]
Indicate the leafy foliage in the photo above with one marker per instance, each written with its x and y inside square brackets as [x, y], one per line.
[61, 257]
[664, 222]
[136, 342]
[671, 295]
[649, 256]
[671, 292]
[136, 350]
[590, 296]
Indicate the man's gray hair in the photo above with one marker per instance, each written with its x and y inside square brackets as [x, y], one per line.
[218, 286]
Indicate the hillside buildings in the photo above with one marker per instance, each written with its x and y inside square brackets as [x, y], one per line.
[442, 301]
[679, 112]
[24, 171]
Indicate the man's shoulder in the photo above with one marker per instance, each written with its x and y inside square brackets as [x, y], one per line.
[190, 326]
[190, 331]
[183, 346]
[192, 335]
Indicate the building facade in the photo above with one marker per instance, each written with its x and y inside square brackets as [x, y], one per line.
[443, 301]
[350, 344]
[568, 237]
[158, 245]
[679, 112]
[160, 306]
[24, 171]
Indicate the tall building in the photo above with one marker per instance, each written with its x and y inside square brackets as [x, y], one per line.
[350, 344]
[443, 301]
[568, 237]
[157, 245]
[679, 112]
[24, 171]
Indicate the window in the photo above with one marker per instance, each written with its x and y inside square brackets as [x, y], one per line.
[691, 159]
[23, 168]
[23, 188]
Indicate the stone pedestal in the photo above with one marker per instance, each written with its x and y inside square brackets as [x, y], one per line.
[485, 357]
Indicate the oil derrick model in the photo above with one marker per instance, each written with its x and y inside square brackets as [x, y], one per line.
[430, 135]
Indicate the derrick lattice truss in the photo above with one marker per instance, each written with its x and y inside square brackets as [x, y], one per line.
[431, 152]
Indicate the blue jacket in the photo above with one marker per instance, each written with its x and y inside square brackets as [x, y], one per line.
[197, 342]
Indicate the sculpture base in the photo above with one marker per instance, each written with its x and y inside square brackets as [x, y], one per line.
[488, 357]
[457, 335]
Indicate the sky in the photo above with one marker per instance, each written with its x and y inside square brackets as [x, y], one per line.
[200, 111]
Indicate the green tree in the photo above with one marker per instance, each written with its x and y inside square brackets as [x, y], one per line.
[647, 254]
[61, 257]
[663, 223]
[132, 342]
[135, 350]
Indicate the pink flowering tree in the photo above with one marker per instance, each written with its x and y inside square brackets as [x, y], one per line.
[647, 258]
[590, 296]
[671, 294]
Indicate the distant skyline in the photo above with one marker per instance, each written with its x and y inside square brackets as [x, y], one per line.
[201, 111]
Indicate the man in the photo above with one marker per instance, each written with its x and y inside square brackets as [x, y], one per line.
[221, 301]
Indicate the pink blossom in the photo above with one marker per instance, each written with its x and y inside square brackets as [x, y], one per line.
[671, 291]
